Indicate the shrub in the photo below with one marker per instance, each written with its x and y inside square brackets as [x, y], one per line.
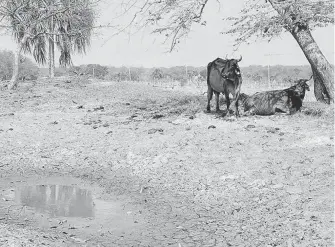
[28, 70]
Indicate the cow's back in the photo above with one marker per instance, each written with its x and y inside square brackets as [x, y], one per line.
[265, 103]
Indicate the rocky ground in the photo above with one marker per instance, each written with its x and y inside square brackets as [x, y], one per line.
[182, 177]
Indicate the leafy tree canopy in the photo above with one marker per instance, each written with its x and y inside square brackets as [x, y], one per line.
[258, 19]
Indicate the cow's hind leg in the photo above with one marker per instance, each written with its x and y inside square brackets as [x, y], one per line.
[217, 97]
[209, 98]
[237, 95]
[227, 101]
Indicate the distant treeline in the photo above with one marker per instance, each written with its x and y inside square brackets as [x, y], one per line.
[279, 74]
[255, 73]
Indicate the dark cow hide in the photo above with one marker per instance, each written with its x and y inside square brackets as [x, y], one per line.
[224, 76]
[288, 100]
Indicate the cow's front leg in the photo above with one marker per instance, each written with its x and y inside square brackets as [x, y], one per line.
[217, 97]
[237, 95]
[227, 102]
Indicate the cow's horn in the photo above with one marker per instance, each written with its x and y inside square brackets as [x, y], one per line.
[240, 59]
[310, 77]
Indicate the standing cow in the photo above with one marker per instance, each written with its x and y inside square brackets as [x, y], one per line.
[224, 76]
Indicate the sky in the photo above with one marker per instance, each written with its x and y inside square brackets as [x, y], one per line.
[204, 44]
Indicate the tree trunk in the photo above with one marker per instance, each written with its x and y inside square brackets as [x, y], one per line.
[320, 91]
[51, 58]
[51, 50]
[321, 67]
[14, 81]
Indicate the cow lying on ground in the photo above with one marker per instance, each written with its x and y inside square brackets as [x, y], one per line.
[288, 100]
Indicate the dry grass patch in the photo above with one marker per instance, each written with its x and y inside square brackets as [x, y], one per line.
[318, 109]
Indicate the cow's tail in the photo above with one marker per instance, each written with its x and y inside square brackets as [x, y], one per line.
[208, 70]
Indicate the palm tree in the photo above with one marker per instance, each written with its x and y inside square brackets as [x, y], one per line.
[23, 17]
[68, 23]
[71, 33]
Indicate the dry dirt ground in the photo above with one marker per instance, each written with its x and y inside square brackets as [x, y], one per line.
[175, 175]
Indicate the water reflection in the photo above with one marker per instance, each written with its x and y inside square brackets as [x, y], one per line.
[57, 200]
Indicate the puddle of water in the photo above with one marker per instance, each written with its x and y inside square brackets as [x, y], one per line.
[82, 210]
[57, 200]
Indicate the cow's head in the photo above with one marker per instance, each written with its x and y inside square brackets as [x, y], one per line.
[228, 68]
[232, 70]
[234, 66]
[303, 83]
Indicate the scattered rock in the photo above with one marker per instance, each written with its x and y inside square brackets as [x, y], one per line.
[80, 107]
[100, 108]
[54, 122]
[127, 103]
[157, 116]
[11, 129]
[230, 119]
[191, 117]
[211, 127]
[188, 128]
[281, 133]
[6, 114]
[105, 125]
[109, 132]
[95, 127]
[250, 126]
[271, 130]
[152, 131]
